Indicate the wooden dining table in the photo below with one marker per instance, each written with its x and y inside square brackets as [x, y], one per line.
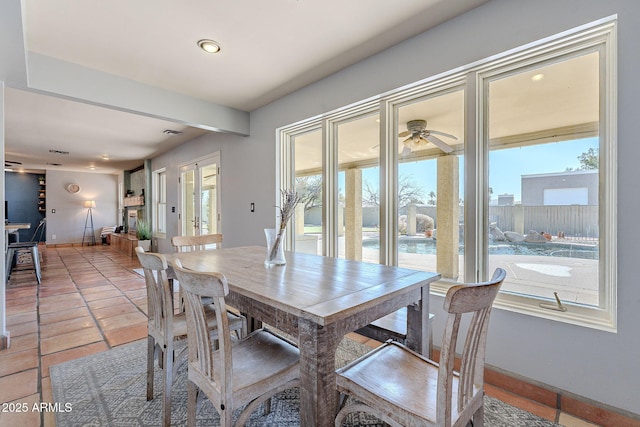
[318, 300]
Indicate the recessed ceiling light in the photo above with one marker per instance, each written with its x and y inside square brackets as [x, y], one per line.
[537, 77]
[105, 157]
[209, 46]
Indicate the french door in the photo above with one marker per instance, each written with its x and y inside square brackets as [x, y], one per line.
[200, 196]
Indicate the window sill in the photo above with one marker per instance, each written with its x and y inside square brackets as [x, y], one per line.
[579, 315]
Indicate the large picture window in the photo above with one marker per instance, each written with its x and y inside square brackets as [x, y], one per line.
[508, 163]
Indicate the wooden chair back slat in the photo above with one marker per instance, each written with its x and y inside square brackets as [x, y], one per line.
[477, 299]
[159, 292]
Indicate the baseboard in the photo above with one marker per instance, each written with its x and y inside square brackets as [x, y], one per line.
[587, 409]
[562, 400]
[4, 341]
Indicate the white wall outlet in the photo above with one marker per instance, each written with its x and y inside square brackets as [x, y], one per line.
[53, 237]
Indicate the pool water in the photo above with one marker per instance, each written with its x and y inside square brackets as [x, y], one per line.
[566, 250]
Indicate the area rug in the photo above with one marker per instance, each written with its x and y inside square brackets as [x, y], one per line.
[109, 388]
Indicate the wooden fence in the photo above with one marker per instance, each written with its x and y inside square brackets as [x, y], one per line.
[575, 221]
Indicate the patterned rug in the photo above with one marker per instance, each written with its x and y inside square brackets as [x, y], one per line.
[109, 388]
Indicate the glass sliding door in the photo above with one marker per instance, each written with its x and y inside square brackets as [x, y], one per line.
[200, 197]
[309, 225]
[358, 147]
[430, 183]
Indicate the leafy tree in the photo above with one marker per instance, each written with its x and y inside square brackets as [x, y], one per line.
[589, 160]
[309, 188]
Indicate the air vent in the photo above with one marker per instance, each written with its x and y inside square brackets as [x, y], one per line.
[58, 152]
[171, 132]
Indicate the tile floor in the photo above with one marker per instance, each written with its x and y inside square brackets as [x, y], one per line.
[91, 300]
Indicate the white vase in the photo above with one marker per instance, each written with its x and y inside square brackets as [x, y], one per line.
[145, 245]
[275, 247]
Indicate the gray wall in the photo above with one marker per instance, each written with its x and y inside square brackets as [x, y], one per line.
[598, 365]
[67, 224]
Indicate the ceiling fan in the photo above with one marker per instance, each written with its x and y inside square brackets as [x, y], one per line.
[9, 163]
[419, 135]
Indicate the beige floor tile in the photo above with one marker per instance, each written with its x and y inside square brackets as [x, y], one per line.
[126, 335]
[71, 354]
[66, 326]
[567, 420]
[70, 340]
[12, 363]
[93, 305]
[122, 321]
[17, 386]
[111, 293]
[21, 343]
[61, 305]
[22, 414]
[23, 329]
[58, 316]
[16, 319]
[116, 310]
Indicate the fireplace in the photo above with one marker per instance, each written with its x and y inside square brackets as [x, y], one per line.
[132, 220]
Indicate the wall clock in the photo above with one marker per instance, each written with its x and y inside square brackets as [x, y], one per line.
[73, 188]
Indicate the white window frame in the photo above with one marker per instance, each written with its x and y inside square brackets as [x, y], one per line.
[159, 203]
[600, 35]
[601, 38]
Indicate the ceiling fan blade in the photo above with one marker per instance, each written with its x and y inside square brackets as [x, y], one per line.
[437, 132]
[439, 143]
[405, 133]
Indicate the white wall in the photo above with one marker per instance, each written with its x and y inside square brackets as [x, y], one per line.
[597, 365]
[68, 223]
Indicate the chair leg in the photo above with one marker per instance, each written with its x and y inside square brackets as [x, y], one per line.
[151, 347]
[478, 417]
[9, 262]
[192, 395]
[36, 262]
[167, 357]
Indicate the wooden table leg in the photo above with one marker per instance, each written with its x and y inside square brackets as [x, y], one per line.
[418, 324]
[318, 395]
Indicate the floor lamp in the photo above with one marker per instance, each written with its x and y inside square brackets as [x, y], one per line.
[88, 224]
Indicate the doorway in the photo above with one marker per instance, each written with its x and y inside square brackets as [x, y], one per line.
[200, 196]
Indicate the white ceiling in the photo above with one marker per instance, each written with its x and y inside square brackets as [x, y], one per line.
[269, 48]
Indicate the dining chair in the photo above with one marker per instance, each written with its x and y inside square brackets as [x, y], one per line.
[192, 244]
[196, 243]
[404, 388]
[164, 326]
[246, 372]
[29, 250]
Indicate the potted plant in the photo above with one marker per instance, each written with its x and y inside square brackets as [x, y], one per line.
[143, 233]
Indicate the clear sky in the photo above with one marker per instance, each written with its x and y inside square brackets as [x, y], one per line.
[505, 166]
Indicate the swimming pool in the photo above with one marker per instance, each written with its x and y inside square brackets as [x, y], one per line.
[417, 245]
